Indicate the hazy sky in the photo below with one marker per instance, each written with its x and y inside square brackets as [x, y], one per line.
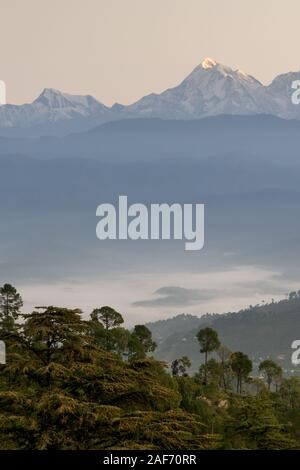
[139, 298]
[119, 50]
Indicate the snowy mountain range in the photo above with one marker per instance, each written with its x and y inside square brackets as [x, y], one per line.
[211, 89]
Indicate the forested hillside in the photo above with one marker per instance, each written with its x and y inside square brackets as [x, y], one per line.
[261, 331]
[70, 383]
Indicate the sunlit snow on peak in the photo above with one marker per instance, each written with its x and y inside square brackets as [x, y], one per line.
[208, 63]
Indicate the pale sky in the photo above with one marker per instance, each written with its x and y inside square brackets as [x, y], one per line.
[120, 50]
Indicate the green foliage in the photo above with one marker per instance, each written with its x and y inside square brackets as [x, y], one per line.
[226, 371]
[109, 319]
[260, 331]
[253, 425]
[10, 305]
[75, 384]
[59, 390]
[209, 341]
[180, 366]
[241, 366]
[212, 372]
[271, 370]
[142, 342]
[287, 402]
[172, 430]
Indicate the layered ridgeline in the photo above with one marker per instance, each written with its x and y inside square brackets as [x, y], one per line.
[261, 331]
[210, 89]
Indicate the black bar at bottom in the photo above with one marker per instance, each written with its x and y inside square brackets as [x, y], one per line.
[137, 459]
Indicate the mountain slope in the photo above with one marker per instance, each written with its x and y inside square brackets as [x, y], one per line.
[52, 112]
[278, 96]
[211, 89]
[259, 331]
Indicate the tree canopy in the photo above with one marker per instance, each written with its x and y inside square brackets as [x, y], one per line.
[76, 383]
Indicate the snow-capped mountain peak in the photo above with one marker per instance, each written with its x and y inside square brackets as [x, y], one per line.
[52, 111]
[210, 89]
[56, 99]
[48, 93]
[208, 63]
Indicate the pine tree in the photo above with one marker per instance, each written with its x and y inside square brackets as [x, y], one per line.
[209, 341]
[271, 370]
[10, 305]
[241, 366]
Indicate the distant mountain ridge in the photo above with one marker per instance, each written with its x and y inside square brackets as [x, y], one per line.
[151, 138]
[211, 89]
[261, 331]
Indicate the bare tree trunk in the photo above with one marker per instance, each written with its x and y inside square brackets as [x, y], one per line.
[205, 369]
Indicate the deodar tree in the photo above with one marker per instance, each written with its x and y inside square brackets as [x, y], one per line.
[106, 318]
